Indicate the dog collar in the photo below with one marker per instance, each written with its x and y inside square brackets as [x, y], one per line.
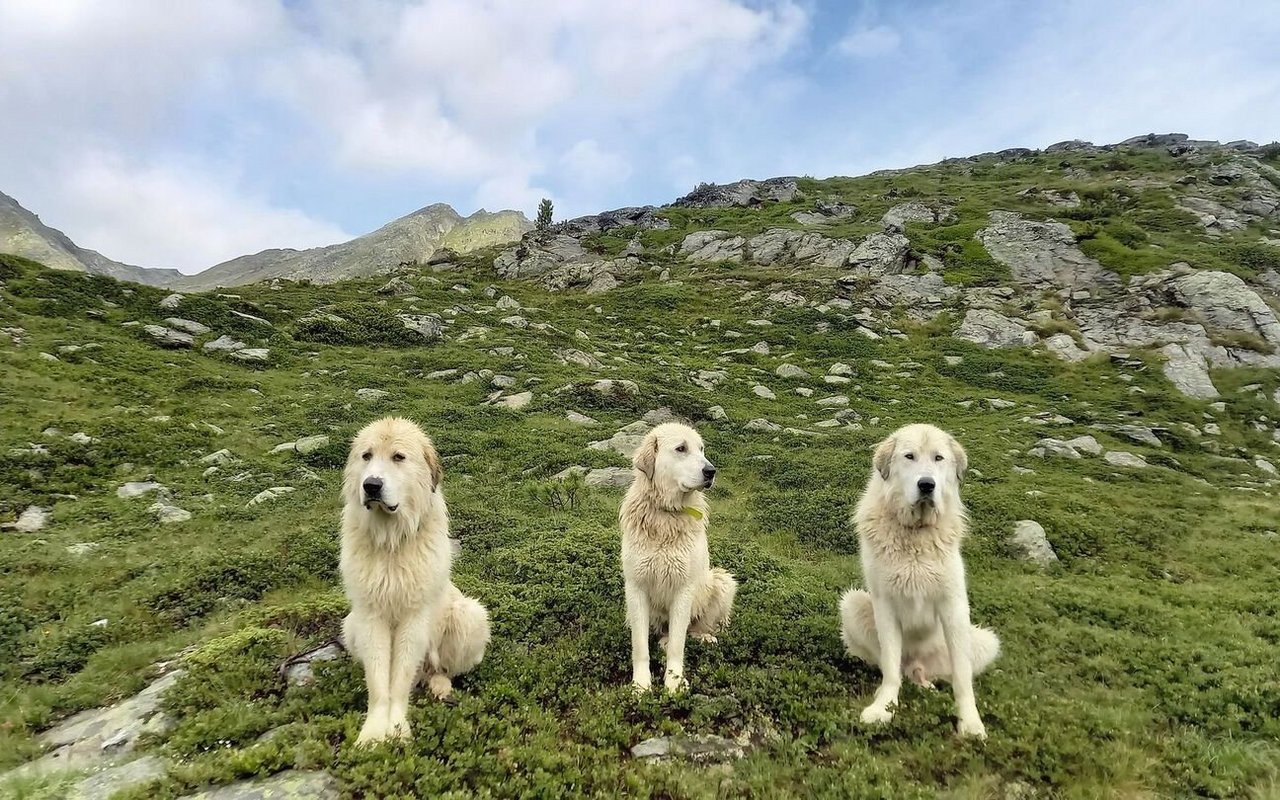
[693, 512]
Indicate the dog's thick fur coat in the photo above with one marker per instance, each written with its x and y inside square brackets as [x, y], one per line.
[407, 620]
[666, 565]
[913, 616]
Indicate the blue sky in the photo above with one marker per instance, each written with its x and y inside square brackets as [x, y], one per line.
[182, 134]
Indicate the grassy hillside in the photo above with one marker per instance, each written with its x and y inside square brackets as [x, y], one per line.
[1143, 665]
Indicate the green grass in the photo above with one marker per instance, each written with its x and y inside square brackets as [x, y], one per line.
[1142, 666]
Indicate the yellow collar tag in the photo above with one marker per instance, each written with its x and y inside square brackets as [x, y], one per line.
[693, 512]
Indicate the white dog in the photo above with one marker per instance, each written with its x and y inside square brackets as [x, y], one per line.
[666, 566]
[914, 618]
[407, 618]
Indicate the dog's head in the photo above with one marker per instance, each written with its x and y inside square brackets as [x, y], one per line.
[921, 467]
[673, 458]
[393, 468]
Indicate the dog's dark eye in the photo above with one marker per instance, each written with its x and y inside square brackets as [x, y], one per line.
[682, 449]
[911, 456]
[938, 457]
[398, 457]
[368, 454]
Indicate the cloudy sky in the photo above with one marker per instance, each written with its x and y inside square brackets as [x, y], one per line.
[180, 134]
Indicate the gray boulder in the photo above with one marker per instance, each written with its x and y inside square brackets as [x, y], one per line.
[288, 785]
[896, 218]
[1188, 370]
[881, 254]
[190, 326]
[223, 344]
[1031, 543]
[168, 337]
[712, 246]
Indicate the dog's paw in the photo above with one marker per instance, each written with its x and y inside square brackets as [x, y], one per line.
[440, 686]
[876, 715]
[373, 731]
[641, 683]
[706, 638]
[675, 682]
[972, 729]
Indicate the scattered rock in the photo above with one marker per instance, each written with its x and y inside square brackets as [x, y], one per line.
[298, 670]
[310, 444]
[168, 337]
[515, 402]
[1188, 371]
[717, 413]
[224, 344]
[33, 519]
[139, 488]
[82, 548]
[1121, 458]
[579, 419]
[790, 371]
[1085, 444]
[698, 748]
[762, 425]
[396, 286]
[167, 514]
[429, 326]
[252, 354]
[1264, 465]
[1032, 544]
[190, 326]
[172, 301]
[371, 394]
[763, 392]
[609, 477]
[267, 495]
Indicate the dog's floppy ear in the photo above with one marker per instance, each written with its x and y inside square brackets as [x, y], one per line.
[960, 457]
[884, 456]
[433, 464]
[645, 456]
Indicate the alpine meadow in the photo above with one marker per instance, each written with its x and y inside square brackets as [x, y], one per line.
[1096, 324]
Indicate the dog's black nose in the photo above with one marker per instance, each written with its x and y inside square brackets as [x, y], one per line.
[709, 472]
[925, 485]
[373, 487]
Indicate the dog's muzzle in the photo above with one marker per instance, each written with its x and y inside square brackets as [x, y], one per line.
[708, 476]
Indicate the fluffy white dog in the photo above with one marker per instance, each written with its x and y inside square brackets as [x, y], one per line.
[407, 618]
[666, 565]
[914, 615]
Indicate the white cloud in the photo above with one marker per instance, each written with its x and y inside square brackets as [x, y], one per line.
[175, 215]
[869, 42]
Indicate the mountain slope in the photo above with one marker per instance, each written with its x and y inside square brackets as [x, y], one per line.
[22, 233]
[412, 238]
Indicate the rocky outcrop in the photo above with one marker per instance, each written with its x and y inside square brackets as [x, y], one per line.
[881, 254]
[993, 330]
[783, 245]
[1042, 255]
[744, 193]
[559, 262]
[712, 246]
[896, 218]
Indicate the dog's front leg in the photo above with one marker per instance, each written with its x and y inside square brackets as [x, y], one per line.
[677, 630]
[409, 651]
[889, 632]
[374, 637]
[957, 630]
[638, 619]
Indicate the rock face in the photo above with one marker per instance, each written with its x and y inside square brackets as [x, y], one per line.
[102, 734]
[288, 785]
[990, 329]
[881, 254]
[744, 193]
[896, 218]
[1188, 370]
[1226, 302]
[1041, 255]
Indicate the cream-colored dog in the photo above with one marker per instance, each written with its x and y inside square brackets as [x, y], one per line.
[666, 566]
[914, 615]
[407, 618]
